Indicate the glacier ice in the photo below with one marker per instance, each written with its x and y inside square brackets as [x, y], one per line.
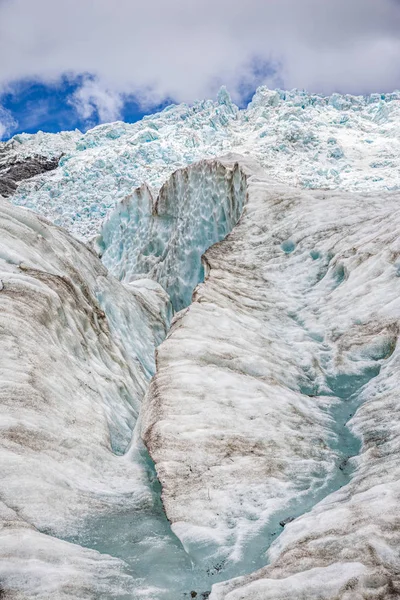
[165, 238]
[338, 142]
[271, 415]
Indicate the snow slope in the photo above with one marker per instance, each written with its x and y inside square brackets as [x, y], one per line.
[337, 142]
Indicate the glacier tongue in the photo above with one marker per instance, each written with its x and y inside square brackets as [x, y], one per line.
[271, 417]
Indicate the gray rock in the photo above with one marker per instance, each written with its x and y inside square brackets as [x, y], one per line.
[14, 169]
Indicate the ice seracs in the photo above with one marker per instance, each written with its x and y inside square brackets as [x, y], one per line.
[337, 142]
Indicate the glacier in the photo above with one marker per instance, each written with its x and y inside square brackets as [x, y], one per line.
[199, 363]
[337, 142]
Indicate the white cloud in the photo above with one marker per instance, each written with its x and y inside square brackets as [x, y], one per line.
[7, 123]
[93, 100]
[184, 49]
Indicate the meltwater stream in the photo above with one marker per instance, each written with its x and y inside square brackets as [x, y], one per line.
[154, 557]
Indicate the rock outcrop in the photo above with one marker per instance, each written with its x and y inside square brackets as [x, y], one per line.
[14, 169]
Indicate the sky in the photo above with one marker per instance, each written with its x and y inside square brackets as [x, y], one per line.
[82, 62]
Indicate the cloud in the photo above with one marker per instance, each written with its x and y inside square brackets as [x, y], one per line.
[91, 99]
[7, 123]
[185, 50]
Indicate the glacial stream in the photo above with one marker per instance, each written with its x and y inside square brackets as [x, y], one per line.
[154, 556]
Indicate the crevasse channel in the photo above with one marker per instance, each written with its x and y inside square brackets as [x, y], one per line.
[163, 238]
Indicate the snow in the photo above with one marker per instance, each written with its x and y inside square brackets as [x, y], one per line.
[337, 142]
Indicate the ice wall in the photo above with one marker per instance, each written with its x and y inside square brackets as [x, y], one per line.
[164, 238]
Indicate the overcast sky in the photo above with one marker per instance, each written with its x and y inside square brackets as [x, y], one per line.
[185, 49]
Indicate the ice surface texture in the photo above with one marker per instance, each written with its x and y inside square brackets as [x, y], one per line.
[343, 142]
[164, 238]
[275, 395]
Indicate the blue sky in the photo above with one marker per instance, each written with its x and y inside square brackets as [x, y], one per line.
[34, 106]
[77, 63]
